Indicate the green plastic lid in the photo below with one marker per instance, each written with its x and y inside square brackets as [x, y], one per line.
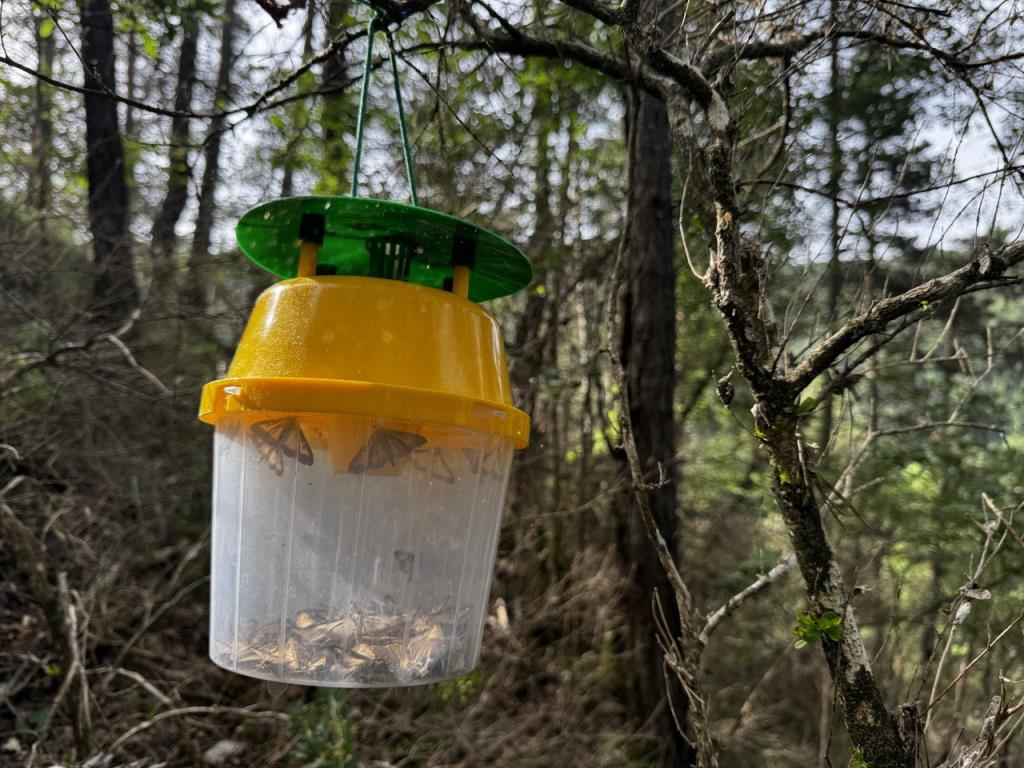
[361, 234]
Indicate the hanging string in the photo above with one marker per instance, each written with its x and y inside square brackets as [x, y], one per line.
[371, 32]
[378, 19]
[406, 149]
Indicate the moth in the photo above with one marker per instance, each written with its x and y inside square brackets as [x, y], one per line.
[308, 645]
[277, 439]
[315, 629]
[264, 647]
[380, 628]
[416, 658]
[386, 449]
[439, 468]
[426, 650]
[481, 462]
[405, 562]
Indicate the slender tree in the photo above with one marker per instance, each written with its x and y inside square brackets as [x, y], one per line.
[335, 116]
[42, 135]
[648, 348]
[115, 293]
[178, 174]
[196, 293]
[288, 175]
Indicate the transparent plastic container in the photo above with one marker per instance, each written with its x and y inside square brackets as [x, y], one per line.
[352, 551]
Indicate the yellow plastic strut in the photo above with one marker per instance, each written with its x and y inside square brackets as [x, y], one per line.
[307, 259]
[460, 281]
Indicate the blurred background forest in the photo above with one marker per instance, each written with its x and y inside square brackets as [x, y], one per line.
[868, 148]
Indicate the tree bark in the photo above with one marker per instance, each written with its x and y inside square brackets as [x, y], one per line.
[131, 74]
[336, 117]
[163, 237]
[114, 293]
[648, 355]
[535, 334]
[42, 135]
[834, 274]
[870, 724]
[737, 280]
[288, 175]
[197, 294]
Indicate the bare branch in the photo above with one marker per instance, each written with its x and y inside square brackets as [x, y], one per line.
[881, 313]
[243, 712]
[976, 755]
[780, 569]
[967, 667]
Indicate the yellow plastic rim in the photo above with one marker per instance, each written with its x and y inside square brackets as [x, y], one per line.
[359, 398]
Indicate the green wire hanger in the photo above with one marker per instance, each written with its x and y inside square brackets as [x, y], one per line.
[380, 19]
[362, 236]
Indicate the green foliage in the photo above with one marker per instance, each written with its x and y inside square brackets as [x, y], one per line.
[149, 44]
[460, 689]
[810, 629]
[807, 405]
[325, 732]
[857, 759]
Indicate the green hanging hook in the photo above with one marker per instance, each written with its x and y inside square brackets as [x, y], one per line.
[379, 19]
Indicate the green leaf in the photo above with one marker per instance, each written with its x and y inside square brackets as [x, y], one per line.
[810, 629]
[46, 28]
[150, 45]
[806, 405]
[857, 759]
[830, 619]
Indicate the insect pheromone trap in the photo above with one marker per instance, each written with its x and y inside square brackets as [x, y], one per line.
[364, 435]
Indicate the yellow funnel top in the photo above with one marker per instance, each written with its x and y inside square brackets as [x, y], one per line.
[370, 347]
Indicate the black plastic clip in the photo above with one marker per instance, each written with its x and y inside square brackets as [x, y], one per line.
[312, 227]
[464, 251]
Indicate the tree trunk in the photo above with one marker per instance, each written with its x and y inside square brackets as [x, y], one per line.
[337, 118]
[737, 281]
[163, 237]
[131, 75]
[535, 335]
[115, 294]
[42, 136]
[870, 725]
[197, 295]
[288, 177]
[834, 272]
[648, 356]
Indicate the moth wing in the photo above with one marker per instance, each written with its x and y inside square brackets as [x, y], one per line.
[269, 430]
[473, 456]
[295, 445]
[405, 561]
[359, 656]
[361, 461]
[441, 467]
[268, 435]
[386, 447]
[394, 654]
[305, 450]
[397, 445]
[273, 456]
